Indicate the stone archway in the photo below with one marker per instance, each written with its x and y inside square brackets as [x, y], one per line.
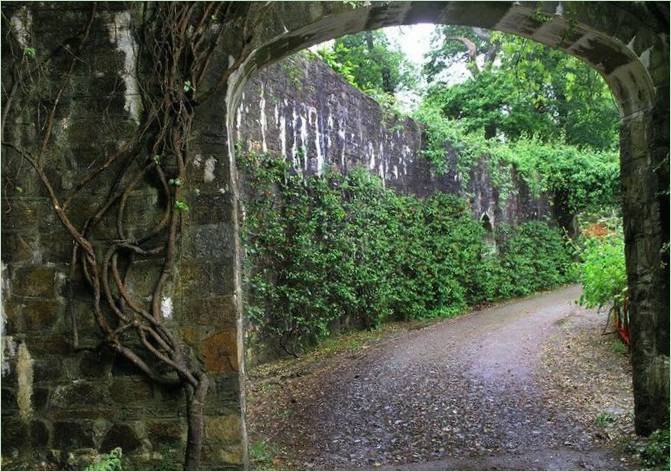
[626, 43]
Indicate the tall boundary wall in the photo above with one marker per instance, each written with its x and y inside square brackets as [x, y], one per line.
[304, 111]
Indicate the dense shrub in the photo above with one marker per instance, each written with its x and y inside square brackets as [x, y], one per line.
[655, 454]
[602, 268]
[578, 179]
[323, 252]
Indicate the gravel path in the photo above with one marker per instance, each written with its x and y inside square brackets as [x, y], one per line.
[481, 391]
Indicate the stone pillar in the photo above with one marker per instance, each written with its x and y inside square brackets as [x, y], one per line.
[210, 281]
[645, 182]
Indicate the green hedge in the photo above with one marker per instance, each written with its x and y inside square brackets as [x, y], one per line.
[323, 252]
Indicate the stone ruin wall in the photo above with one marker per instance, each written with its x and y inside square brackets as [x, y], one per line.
[304, 111]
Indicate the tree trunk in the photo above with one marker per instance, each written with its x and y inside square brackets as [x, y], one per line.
[195, 401]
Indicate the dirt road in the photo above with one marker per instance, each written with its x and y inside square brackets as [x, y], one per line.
[495, 389]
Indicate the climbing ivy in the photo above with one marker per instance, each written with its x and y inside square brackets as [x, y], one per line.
[578, 178]
[334, 251]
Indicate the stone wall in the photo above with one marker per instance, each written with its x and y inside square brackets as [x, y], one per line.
[302, 110]
[59, 399]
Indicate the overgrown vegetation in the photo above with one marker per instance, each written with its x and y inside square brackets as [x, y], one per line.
[370, 63]
[261, 455]
[332, 251]
[655, 454]
[602, 272]
[109, 461]
[520, 87]
[602, 269]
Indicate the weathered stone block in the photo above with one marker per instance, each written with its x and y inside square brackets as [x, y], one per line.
[43, 346]
[40, 399]
[166, 432]
[221, 455]
[210, 242]
[39, 434]
[47, 370]
[25, 215]
[70, 435]
[41, 315]
[35, 281]
[19, 246]
[206, 280]
[96, 364]
[15, 435]
[123, 436]
[13, 320]
[171, 395]
[212, 208]
[8, 402]
[223, 428]
[220, 352]
[125, 390]
[210, 311]
[223, 393]
[79, 394]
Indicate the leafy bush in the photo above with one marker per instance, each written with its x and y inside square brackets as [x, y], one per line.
[261, 455]
[333, 251]
[602, 271]
[578, 179]
[532, 256]
[604, 419]
[655, 454]
[110, 461]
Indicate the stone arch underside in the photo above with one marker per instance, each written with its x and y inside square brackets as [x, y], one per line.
[626, 42]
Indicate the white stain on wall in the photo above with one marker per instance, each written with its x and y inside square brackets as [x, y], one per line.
[208, 174]
[24, 377]
[262, 119]
[314, 120]
[283, 136]
[8, 345]
[166, 306]
[120, 34]
[21, 23]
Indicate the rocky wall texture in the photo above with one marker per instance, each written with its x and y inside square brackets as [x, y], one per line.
[303, 111]
[63, 401]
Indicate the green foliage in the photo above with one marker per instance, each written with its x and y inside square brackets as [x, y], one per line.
[355, 3]
[448, 49]
[181, 205]
[529, 89]
[261, 454]
[370, 63]
[532, 256]
[577, 179]
[602, 270]
[323, 252]
[30, 52]
[655, 454]
[111, 461]
[604, 419]
[618, 347]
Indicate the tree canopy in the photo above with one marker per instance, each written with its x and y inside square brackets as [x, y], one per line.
[520, 87]
[371, 63]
